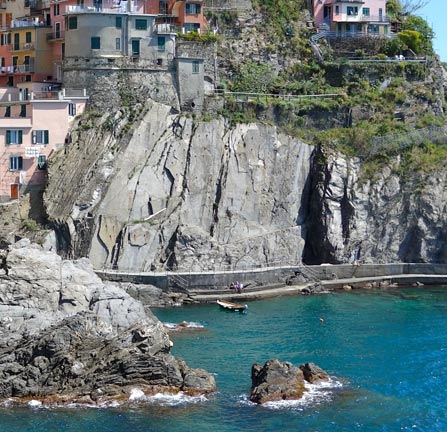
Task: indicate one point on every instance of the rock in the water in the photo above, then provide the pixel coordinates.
(66, 336)
(276, 380)
(313, 373)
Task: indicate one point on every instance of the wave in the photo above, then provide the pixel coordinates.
(165, 399)
(315, 394)
(182, 325)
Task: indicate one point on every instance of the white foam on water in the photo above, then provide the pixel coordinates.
(136, 394)
(170, 399)
(183, 325)
(315, 394)
(35, 403)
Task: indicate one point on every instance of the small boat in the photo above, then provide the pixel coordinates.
(231, 306)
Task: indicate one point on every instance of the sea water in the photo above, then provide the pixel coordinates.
(386, 352)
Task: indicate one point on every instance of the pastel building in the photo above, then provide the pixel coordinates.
(114, 31)
(33, 123)
(352, 17)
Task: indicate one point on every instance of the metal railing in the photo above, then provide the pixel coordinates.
(397, 142)
(248, 96)
(55, 36)
(346, 35)
(23, 47)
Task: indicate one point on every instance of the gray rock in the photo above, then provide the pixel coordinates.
(276, 380)
(64, 335)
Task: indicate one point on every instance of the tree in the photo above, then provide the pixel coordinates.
(404, 7)
(412, 39)
(420, 25)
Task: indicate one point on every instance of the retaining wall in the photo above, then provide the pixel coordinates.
(278, 275)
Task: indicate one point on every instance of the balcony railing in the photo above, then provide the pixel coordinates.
(360, 18)
(107, 7)
(55, 36)
(17, 69)
(2, 5)
(23, 47)
(167, 28)
(27, 23)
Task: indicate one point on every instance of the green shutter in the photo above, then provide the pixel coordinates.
(8, 137)
(46, 136)
(19, 137)
(20, 163)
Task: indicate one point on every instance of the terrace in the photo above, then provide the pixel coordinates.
(108, 6)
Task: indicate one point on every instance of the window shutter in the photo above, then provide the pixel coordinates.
(20, 162)
(46, 136)
(34, 137)
(8, 137)
(19, 137)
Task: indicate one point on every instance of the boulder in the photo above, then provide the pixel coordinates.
(66, 336)
(276, 380)
(313, 373)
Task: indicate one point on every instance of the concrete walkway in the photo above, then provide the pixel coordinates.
(269, 292)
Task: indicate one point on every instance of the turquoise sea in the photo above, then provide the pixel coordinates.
(386, 351)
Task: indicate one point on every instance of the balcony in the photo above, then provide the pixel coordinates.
(29, 46)
(360, 18)
(25, 68)
(2, 5)
(167, 28)
(55, 36)
(27, 23)
(106, 7)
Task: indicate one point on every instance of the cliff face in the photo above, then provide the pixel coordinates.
(179, 193)
(388, 218)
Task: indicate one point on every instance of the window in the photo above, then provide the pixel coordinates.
(6, 39)
(8, 111)
(22, 110)
(353, 10)
(71, 109)
(72, 23)
(57, 30)
(118, 43)
(365, 11)
(141, 24)
(192, 9)
(192, 27)
(16, 41)
(195, 67)
(118, 22)
(95, 42)
(337, 10)
(15, 163)
(2, 62)
(56, 10)
(28, 37)
(14, 136)
(41, 162)
(161, 43)
(163, 7)
(40, 137)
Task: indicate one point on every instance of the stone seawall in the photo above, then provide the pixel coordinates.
(401, 272)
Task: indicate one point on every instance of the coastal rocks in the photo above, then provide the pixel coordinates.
(66, 336)
(278, 380)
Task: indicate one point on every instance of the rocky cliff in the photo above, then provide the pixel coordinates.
(180, 193)
(66, 336)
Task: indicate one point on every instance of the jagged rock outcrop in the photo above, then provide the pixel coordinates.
(276, 380)
(181, 193)
(384, 218)
(66, 336)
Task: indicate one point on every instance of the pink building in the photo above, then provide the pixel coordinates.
(352, 17)
(33, 123)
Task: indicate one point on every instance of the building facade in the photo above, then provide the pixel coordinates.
(352, 17)
(33, 123)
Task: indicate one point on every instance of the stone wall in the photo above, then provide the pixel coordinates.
(429, 273)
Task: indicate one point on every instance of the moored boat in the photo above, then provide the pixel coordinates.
(231, 306)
